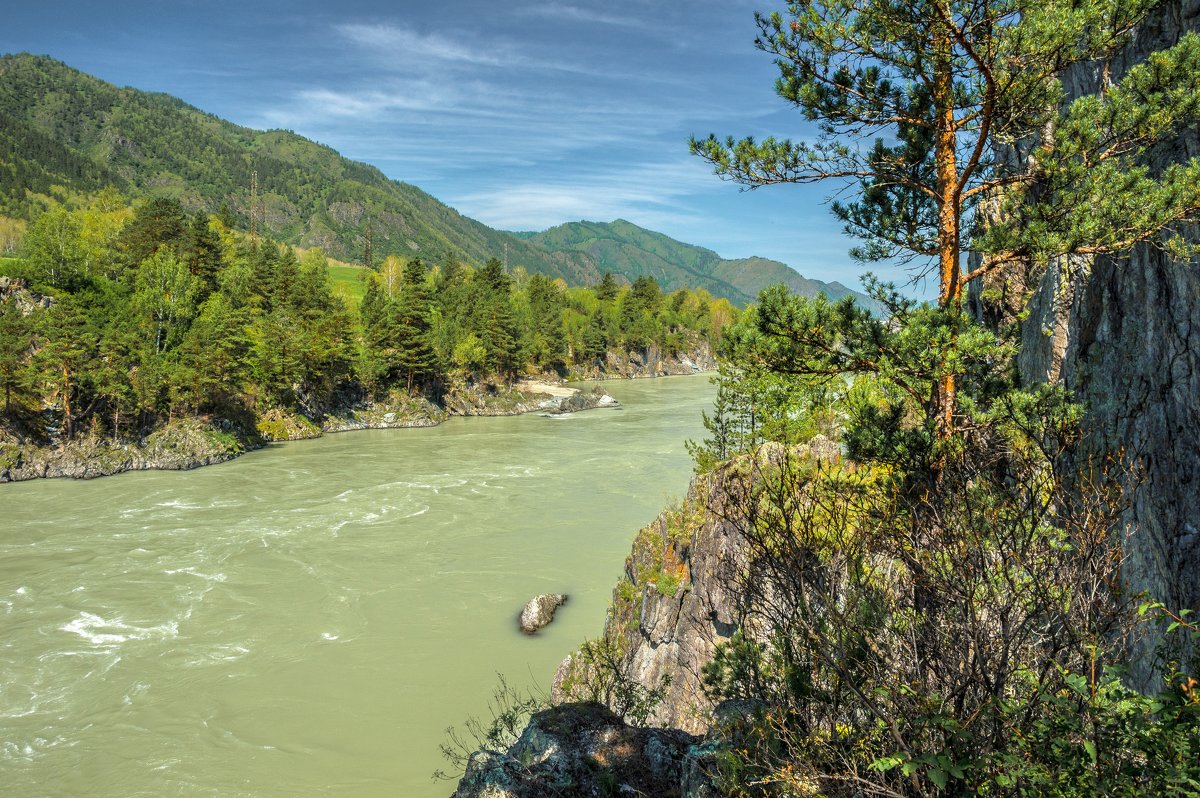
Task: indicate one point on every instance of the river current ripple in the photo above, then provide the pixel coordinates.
(309, 618)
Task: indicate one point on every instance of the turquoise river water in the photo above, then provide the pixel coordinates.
(308, 619)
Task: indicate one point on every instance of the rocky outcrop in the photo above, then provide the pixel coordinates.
(490, 399)
(16, 290)
(539, 611)
(178, 446)
(583, 750)
(397, 411)
(581, 400)
(650, 362)
(190, 443)
(681, 593)
(1123, 335)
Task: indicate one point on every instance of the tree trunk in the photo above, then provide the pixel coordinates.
(68, 422)
(942, 401)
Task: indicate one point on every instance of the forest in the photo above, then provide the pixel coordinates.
(133, 315)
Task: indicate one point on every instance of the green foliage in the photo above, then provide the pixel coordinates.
(154, 314)
(67, 133)
(509, 709)
(597, 674)
(16, 343)
(935, 90)
(54, 251)
(943, 611)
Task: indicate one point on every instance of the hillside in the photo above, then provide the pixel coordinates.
(65, 132)
(624, 248)
(63, 128)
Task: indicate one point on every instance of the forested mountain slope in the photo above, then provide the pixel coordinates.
(621, 247)
(63, 131)
(63, 128)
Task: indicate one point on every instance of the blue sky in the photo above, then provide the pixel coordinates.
(520, 114)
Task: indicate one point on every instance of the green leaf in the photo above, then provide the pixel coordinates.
(938, 777)
(1090, 747)
(886, 763)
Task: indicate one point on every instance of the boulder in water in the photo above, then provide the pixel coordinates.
(539, 611)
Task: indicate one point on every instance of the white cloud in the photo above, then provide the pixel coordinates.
(406, 45)
(650, 194)
(587, 15)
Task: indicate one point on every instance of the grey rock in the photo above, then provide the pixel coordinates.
(675, 634)
(539, 611)
(650, 362)
(584, 749)
(1123, 336)
(582, 401)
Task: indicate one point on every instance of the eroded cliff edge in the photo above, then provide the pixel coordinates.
(1122, 335)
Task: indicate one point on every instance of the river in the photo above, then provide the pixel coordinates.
(308, 619)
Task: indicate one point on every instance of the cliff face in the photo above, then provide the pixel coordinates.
(674, 605)
(682, 595)
(1123, 335)
(650, 362)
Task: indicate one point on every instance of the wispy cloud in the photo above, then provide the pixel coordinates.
(585, 15)
(647, 193)
(406, 44)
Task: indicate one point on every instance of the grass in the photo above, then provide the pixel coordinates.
(349, 282)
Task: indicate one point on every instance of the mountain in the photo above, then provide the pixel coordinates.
(622, 247)
(61, 127)
(63, 131)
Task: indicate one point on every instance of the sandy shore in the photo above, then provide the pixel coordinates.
(536, 386)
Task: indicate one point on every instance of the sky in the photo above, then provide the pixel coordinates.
(523, 115)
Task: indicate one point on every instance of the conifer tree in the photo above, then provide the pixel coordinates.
(156, 223)
(921, 103)
(606, 291)
(66, 345)
(16, 331)
(200, 250)
(415, 357)
(494, 322)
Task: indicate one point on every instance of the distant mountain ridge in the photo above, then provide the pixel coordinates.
(61, 129)
(622, 247)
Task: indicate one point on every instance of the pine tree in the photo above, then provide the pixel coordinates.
(156, 223)
(606, 291)
(378, 317)
(922, 103)
(67, 340)
(200, 250)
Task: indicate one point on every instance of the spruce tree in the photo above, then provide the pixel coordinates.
(606, 291)
(494, 323)
(16, 331)
(415, 356)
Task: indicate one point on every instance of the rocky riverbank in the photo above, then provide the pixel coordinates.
(190, 443)
(178, 446)
(678, 599)
(651, 362)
